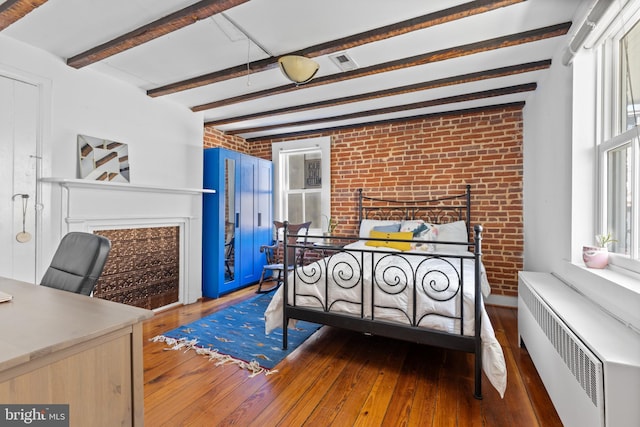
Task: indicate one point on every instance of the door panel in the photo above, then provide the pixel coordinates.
(18, 136)
(228, 192)
(248, 220)
(265, 206)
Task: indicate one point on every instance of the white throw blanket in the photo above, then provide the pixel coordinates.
(393, 296)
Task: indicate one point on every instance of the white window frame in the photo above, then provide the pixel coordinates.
(298, 146)
(604, 148)
(610, 136)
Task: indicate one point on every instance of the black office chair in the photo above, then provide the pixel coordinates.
(78, 262)
(275, 254)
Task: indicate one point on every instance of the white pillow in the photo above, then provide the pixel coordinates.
(367, 225)
(421, 231)
(452, 232)
(410, 225)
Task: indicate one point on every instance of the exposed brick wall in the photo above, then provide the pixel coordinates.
(261, 149)
(431, 157)
(215, 138)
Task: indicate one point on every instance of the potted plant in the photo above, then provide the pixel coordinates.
(598, 256)
(331, 225)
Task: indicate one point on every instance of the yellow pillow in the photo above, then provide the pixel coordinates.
(401, 235)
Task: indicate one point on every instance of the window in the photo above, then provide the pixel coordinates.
(619, 148)
(630, 78)
(620, 178)
(301, 185)
(303, 182)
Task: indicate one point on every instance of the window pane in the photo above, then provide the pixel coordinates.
(630, 77)
(303, 197)
(313, 170)
(295, 208)
(296, 171)
(619, 197)
(314, 210)
(303, 207)
(305, 171)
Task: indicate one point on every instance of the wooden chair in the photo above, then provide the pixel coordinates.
(229, 253)
(275, 254)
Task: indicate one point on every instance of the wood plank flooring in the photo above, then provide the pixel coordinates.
(339, 378)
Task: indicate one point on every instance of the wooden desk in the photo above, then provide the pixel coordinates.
(61, 347)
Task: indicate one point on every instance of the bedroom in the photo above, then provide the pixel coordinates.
(546, 191)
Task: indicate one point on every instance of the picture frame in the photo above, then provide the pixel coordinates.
(103, 159)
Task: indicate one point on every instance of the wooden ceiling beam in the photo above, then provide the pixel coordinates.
(418, 23)
(13, 10)
(440, 17)
(440, 55)
(527, 87)
(333, 129)
(447, 81)
(160, 27)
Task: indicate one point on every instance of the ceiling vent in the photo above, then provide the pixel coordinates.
(343, 61)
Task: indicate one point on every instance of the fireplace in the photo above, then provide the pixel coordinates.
(143, 268)
(155, 233)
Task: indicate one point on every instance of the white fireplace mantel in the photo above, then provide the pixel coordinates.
(121, 186)
(86, 205)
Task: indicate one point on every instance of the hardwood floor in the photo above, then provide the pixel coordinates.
(339, 378)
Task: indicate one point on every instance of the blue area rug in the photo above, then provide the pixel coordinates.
(236, 335)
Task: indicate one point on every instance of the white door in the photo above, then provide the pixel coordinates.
(18, 141)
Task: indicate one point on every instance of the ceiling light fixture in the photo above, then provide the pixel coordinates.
(297, 68)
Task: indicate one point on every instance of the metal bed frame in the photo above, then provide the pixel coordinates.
(436, 211)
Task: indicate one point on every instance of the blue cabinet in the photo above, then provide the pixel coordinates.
(237, 220)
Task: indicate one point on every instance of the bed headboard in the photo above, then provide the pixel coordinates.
(435, 211)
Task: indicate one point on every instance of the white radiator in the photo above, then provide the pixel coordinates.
(588, 361)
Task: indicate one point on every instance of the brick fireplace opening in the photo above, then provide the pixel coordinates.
(143, 268)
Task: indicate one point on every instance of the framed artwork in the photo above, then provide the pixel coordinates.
(103, 160)
(312, 173)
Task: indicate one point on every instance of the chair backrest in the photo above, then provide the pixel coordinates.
(295, 255)
(229, 248)
(78, 263)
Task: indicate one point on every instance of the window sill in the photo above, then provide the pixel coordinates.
(615, 290)
(617, 277)
(624, 265)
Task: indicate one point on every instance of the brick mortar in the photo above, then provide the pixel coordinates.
(431, 157)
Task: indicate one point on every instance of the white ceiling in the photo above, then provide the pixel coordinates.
(259, 29)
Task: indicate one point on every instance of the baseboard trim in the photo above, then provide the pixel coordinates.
(502, 300)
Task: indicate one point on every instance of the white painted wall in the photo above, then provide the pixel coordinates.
(547, 170)
(165, 143)
(560, 188)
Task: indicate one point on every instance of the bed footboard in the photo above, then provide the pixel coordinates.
(424, 297)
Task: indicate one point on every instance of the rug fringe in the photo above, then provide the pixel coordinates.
(253, 367)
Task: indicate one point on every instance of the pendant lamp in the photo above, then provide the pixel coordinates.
(297, 68)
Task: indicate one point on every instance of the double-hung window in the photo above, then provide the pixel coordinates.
(619, 137)
(303, 181)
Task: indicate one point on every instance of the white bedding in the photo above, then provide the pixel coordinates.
(393, 282)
